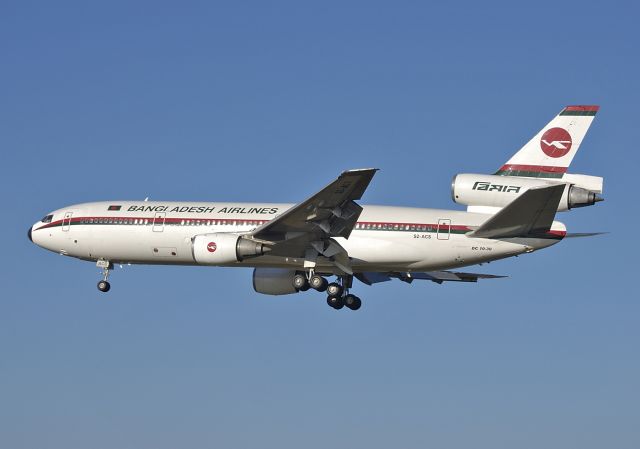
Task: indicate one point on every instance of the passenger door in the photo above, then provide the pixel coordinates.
(444, 228)
(66, 221)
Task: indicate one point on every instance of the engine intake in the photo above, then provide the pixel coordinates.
(224, 248)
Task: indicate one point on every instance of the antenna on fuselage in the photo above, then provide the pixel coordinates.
(146, 199)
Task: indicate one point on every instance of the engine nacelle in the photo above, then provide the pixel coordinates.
(224, 248)
(498, 191)
(273, 281)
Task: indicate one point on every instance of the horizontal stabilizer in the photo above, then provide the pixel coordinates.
(528, 215)
(370, 278)
(583, 234)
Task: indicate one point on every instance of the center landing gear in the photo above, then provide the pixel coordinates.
(106, 266)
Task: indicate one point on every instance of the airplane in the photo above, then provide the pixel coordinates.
(294, 248)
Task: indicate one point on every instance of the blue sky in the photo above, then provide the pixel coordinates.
(268, 101)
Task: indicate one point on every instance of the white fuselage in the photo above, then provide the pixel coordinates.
(385, 238)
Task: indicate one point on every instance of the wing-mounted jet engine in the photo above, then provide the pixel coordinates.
(222, 248)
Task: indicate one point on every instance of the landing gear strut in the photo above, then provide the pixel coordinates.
(106, 266)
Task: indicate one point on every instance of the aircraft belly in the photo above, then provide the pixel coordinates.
(141, 245)
(370, 249)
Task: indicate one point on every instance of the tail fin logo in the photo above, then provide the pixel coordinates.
(556, 142)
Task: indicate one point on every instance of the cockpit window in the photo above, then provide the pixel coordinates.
(47, 219)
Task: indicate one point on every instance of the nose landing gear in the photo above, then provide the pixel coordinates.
(106, 266)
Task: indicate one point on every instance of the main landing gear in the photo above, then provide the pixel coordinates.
(106, 266)
(338, 295)
(350, 301)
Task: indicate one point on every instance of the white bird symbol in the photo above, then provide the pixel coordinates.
(559, 144)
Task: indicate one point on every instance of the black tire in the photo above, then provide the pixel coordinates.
(352, 302)
(318, 283)
(335, 290)
(104, 286)
(335, 302)
(300, 282)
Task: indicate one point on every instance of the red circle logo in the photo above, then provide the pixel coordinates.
(556, 142)
(212, 247)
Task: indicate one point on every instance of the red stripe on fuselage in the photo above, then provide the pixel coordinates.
(429, 227)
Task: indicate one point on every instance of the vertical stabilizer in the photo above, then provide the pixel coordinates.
(550, 152)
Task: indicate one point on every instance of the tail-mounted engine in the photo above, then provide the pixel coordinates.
(224, 248)
(498, 191)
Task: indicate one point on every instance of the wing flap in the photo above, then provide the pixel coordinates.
(439, 277)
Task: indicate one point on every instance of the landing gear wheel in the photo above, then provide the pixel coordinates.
(318, 283)
(352, 302)
(336, 302)
(106, 266)
(300, 282)
(334, 290)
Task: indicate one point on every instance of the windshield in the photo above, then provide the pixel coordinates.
(47, 219)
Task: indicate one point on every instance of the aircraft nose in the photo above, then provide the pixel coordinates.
(29, 234)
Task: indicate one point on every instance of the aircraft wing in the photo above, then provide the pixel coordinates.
(332, 212)
(439, 277)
